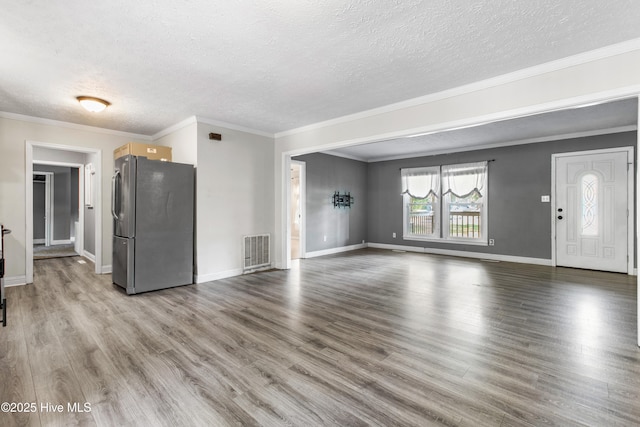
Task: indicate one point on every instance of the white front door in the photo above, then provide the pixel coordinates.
(591, 211)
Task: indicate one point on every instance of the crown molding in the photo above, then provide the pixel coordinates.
(576, 102)
(198, 119)
(346, 156)
(174, 128)
(573, 135)
(74, 126)
(547, 67)
(232, 126)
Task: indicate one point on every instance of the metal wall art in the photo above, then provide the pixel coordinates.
(342, 200)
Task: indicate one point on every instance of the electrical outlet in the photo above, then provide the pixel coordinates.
(394, 235)
(545, 199)
(325, 238)
(492, 242)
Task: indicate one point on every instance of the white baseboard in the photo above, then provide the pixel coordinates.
(335, 250)
(15, 281)
(61, 242)
(465, 254)
(397, 247)
(106, 269)
(88, 255)
(201, 278)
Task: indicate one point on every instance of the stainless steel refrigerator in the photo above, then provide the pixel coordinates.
(152, 207)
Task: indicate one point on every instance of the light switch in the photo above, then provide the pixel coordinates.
(545, 199)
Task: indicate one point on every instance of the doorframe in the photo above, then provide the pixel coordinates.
(303, 211)
(630, 200)
(29, 146)
(48, 205)
(80, 168)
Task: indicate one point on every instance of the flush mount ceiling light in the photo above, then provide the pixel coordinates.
(95, 105)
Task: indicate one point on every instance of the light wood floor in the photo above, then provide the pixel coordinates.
(370, 337)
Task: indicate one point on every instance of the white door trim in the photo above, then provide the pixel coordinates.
(29, 146)
(303, 211)
(638, 228)
(80, 168)
(630, 198)
(48, 205)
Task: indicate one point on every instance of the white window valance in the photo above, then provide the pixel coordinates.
(464, 180)
(421, 183)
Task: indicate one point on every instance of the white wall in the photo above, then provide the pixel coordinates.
(594, 76)
(183, 142)
(14, 132)
(47, 155)
(234, 191)
(89, 243)
(234, 198)
(234, 186)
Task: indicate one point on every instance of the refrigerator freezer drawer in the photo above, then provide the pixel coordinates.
(122, 270)
(163, 260)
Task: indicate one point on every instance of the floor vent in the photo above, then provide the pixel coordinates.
(256, 252)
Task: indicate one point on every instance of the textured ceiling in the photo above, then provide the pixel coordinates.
(274, 65)
(612, 115)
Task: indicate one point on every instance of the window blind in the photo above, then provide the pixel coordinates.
(421, 183)
(464, 180)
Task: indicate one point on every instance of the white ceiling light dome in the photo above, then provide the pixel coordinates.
(95, 105)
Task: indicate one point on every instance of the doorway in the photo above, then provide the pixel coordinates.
(296, 225)
(71, 157)
(56, 209)
(593, 210)
(42, 189)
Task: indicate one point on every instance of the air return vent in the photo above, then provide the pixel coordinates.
(256, 252)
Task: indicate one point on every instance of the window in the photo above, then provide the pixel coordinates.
(589, 201)
(421, 189)
(446, 203)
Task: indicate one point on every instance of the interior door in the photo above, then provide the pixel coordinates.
(591, 211)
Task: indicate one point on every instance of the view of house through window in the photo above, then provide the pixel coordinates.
(446, 202)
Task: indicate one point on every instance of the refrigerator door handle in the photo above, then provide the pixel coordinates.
(114, 179)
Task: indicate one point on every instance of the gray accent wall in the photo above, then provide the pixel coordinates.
(65, 200)
(519, 222)
(39, 197)
(326, 174)
(74, 200)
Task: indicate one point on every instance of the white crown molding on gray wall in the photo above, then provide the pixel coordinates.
(570, 61)
(75, 126)
(573, 135)
(348, 156)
